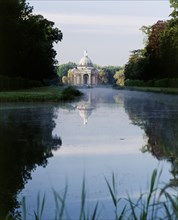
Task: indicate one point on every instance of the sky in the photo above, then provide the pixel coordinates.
(108, 30)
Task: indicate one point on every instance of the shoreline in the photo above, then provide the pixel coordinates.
(63, 94)
(163, 90)
(41, 94)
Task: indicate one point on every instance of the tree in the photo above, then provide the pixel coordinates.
(136, 68)
(169, 49)
(146, 64)
(153, 45)
(119, 77)
(109, 72)
(70, 76)
(26, 42)
(64, 80)
(102, 77)
(159, 58)
(147, 31)
(63, 69)
(174, 5)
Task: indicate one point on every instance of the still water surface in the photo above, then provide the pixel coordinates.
(46, 146)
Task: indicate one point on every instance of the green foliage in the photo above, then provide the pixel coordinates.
(137, 65)
(109, 73)
(70, 93)
(106, 73)
(26, 42)
(134, 83)
(165, 83)
(63, 69)
(65, 80)
(174, 5)
(102, 77)
(169, 49)
(119, 77)
(9, 83)
(159, 58)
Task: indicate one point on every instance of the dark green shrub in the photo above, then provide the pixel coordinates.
(17, 83)
(162, 83)
(70, 92)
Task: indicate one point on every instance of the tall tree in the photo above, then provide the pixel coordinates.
(174, 5)
(63, 69)
(26, 42)
(169, 49)
(136, 68)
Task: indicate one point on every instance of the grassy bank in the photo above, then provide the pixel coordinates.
(173, 91)
(41, 94)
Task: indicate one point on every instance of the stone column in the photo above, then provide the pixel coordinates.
(75, 79)
(89, 79)
(82, 80)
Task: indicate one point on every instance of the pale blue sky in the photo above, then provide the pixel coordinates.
(109, 30)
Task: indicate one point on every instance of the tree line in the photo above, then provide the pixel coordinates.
(106, 75)
(26, 42)
(158, 60)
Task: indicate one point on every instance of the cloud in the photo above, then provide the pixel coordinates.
(102, 20)
(100, 24)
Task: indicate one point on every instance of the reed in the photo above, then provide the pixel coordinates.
(148, 206)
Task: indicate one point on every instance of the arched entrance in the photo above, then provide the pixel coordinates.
(85, 79)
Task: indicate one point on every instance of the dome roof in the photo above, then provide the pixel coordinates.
(85, 60)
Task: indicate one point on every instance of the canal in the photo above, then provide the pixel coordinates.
(46, 147)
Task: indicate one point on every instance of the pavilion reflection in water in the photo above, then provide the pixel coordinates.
(85, 111)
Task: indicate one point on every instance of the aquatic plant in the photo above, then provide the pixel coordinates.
(157, 203)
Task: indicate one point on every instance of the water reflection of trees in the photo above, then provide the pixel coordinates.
(158, 116)
(26, 142)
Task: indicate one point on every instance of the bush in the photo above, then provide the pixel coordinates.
(134, 83)
(162, 83)
(70, 92)
(9, 83)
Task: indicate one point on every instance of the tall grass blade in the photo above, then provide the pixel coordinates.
(168, 214)
(122, 215)
(36, 216)
(132, 206)
(24, 208)
(63, 202)
(114, 199)
(40, 207)
(83, 198)
(152, 185)
(113, 183)
(173, 202)
(94, 215)
(60, 208)
(56, 203)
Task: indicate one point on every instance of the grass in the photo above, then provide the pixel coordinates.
(173, 91)
(41, 94)
(148, 206)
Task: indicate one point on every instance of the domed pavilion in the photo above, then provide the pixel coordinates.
(85, 73)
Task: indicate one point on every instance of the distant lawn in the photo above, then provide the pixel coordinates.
(173, 91)
(41, 94)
